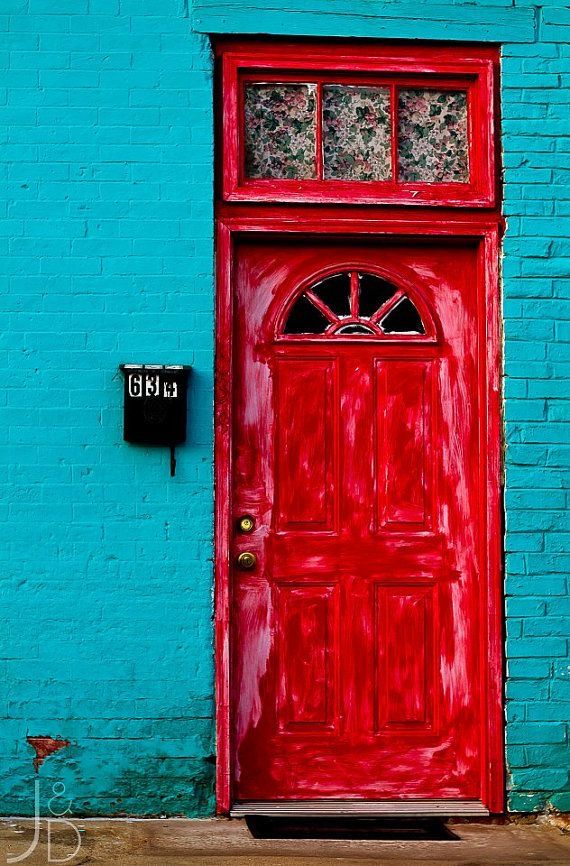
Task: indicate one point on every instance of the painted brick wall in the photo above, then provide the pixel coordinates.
(107, 245)
(535, 105)
(107, 238)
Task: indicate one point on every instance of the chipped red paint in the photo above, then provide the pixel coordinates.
(362, 657)
(45, 746)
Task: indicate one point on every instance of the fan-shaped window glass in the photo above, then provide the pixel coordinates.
(306, 318)
(354, 304)
(402, 319)
(373, 293)
(335, 293)
(355, 329)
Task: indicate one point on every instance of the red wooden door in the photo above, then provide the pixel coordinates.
(354, 646)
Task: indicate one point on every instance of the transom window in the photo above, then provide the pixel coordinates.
(354, 127)
(354, 304)
(359, 124)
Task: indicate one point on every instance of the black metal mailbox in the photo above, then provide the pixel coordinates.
(155, 405)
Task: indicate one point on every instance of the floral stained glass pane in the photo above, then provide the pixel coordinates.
(280, 121)
(356, 132)
(432, 136)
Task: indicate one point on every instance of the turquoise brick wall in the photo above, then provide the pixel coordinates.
(107, 245)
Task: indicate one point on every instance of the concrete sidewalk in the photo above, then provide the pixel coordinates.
(218, 842)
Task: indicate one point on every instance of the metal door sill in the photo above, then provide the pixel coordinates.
(362, 808)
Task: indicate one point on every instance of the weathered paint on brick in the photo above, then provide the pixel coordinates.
(108, 245)
(107, 253)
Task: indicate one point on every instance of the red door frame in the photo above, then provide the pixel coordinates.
(234, 220)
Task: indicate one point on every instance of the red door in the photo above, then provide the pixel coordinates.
(355, 668)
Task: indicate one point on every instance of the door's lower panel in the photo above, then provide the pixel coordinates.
(365, 808)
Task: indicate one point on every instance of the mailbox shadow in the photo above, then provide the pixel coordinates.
(387, 829)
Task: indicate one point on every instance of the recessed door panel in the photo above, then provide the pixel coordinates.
(305, 444)
(404, 466)
(306, 623)
(405, 635)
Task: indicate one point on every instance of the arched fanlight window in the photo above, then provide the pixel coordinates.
(353, 303)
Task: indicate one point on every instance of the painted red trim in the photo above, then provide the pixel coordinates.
(285, 220)
(222, 454)
(455, 66)
(263, 217)
(491, 431)
(318, 130)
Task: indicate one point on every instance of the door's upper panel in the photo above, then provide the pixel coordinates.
(357, 124)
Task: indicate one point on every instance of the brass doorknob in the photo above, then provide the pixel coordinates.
(247, 560)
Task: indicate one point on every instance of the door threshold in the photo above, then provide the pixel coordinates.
(362, 808)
